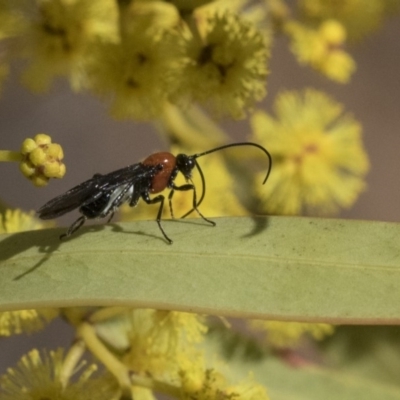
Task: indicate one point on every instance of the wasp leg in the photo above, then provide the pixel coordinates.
(190, 186)
(74, 227)
(158, 199)
(111, 217)
(171, 210)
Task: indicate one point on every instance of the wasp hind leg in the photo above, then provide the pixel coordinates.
(74, 227)
(110, 217)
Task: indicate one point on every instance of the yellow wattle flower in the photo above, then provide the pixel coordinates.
(16, 220)
(58, 37)
(359, 17)
(160, 341)
(225, 65)
(319, 163)
(38, 376)
(322, 48)
(137, 73)
(25, 321)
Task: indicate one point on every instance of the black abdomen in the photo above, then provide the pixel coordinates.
(95, 208)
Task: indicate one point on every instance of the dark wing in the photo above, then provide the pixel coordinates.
(93, 188)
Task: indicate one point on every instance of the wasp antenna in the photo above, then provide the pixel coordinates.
(203, 193)
(234, 145)
(203, 182)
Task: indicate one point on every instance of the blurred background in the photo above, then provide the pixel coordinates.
(93, 142)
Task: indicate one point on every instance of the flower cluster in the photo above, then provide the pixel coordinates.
(322, 48)
(41, 159)
(358, 17)
(24, 321)
(210, 384)
(38, 376)
(319, 30)
(58, 36)
(142, 54)
(19, 221)
(225, 65)
(165, 352)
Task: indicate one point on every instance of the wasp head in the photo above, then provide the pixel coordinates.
(185, 164)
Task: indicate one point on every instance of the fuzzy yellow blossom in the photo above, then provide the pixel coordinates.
(152, 17)
(160, 341)
(12, 221)
(358, 16)
(322, 48)
(248, 390)
(138, 72)
(288, 334)
(172, 328)
(38, 376)
(191, 376)
(220, 198)
(319, 163)
(41, 159)
(215, 386)
(58, 38)
(25, 321)
(225, 67)
(212, 385)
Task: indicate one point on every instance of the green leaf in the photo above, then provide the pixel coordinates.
(268, 267)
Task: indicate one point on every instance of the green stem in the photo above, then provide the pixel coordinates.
(72, 358)
(88, 334)
(9, 155)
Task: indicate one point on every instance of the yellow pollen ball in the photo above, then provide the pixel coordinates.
(28, 145)
(61, 171)
(38, 156)
(333, 32)
(51, 170)
(40, 180)
(55, 151)
(42, 139)
(27, 168)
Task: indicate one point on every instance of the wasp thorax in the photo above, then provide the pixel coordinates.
(162, 178)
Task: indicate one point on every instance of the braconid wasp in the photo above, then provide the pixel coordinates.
(102, 195)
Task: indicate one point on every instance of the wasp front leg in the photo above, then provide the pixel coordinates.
(190, 186)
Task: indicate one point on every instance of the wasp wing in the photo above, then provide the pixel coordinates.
(93, 188)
